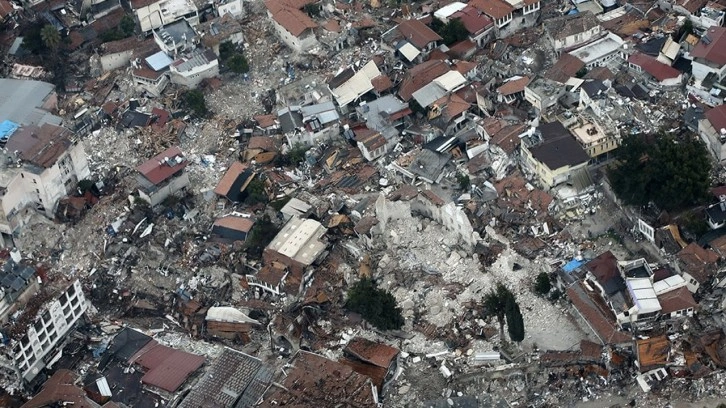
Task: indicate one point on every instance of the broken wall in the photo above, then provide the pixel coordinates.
(448, 215)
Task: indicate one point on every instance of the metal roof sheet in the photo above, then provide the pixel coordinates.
(408, 50)
(159, 61)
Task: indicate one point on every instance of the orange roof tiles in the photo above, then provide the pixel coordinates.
(493, 8)
(371, 352)
(41, 146)
(289, 16)
(226, 182)
(513, 86)
(653, 352)
(675, 300)
(652, 66)
(235, 223)
(419, 76)
(417, 33)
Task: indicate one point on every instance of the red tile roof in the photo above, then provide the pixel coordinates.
(600, 320)
(315, 381)
(464, 67)
(419, 76)
(289, 15)
(5, 9)
(371, 352)
(653, 352)
(691, 5)
(565, 68)
(717, 117)
(381, 83)
(61, 389)
(474, 21)
(604, 267)
(675, 300)
(226, 182)
(652, 66)
(493, 8)
(235, 223)
(513, 86)
(418, 33)
(715, 50)
(159, 169)
(166, 367)
(41, 146)
(698, 261)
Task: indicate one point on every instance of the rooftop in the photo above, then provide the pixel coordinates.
(40, 146)
(717, 117)
(421, 75)
(234, 181)
(560, 28)
(653, 352)
(27, 102)
(299, 240)
(317, 381)
(675, 300)
(473, 20)
(493, 8)
(593, 51)
(597, 315)
(652, 66)
(287, 13)
(166, 368)
(164, 165)
(513, 85)
(558, 147)
(565, 68)
(197, 59)
(233, 379)
(417, 33)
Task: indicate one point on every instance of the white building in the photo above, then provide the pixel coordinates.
(600, 52)
(155, 14)
(292, 25)
(33, 352)
(162, 176)
(310, 124)
(191, 70)
(572, 30)
(712, 130)
(41, 165)
(708, 56)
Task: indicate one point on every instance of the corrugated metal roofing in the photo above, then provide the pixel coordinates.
(159, 61)
(21, 101)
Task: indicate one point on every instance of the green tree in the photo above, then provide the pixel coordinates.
(237, 63)
(376, 305)
(581, 72)
(194, 100)
(127, 25)
(495, 304)
(464, 181)
(451, 32)
(50, 36)
(515, 322)
(262, 233)
(226, 50)
(32, 40)
(672, 173)
(256, 192)
(293, 157)
(542, 283)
